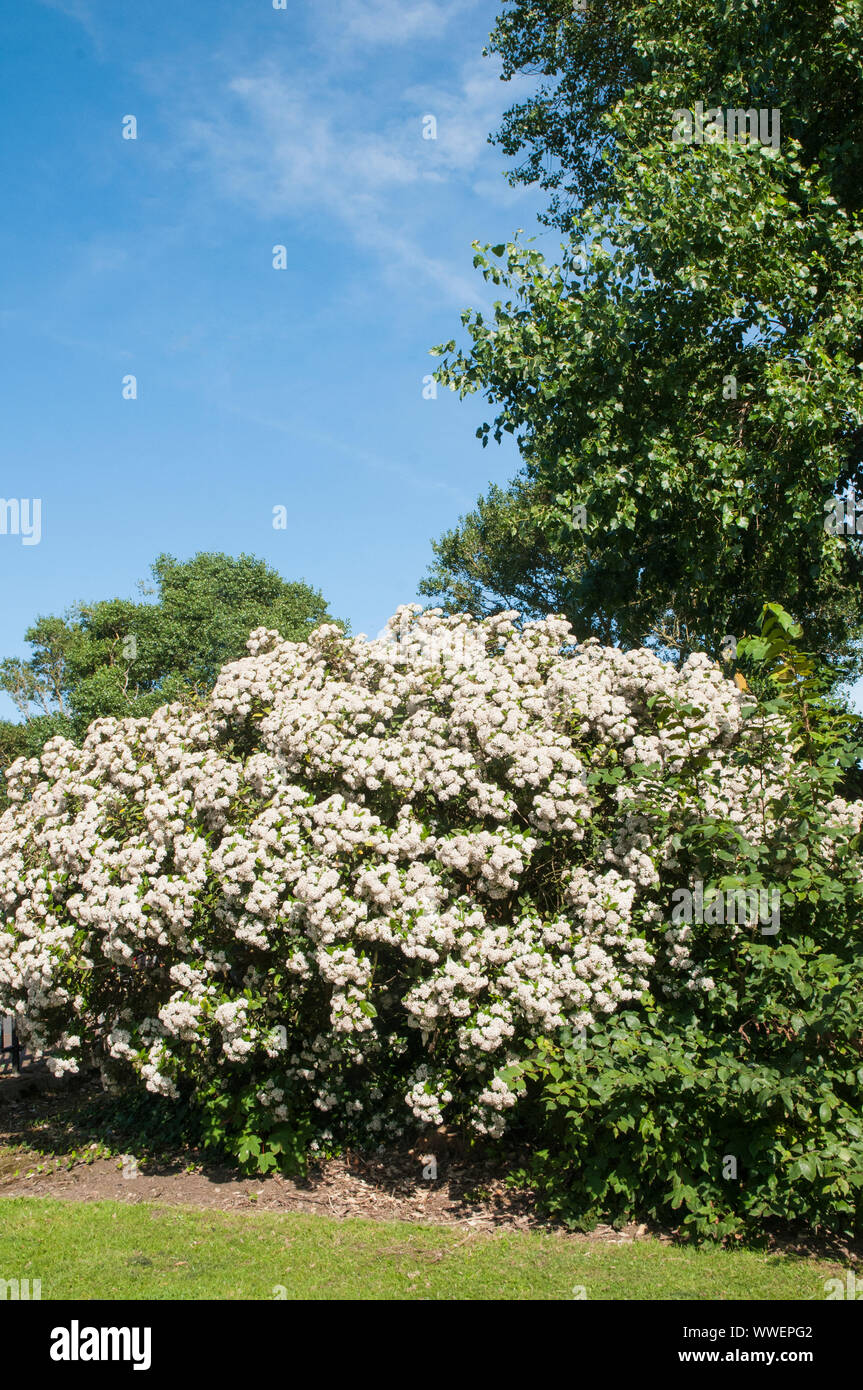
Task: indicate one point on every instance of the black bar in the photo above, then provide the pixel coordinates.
(818, 1338)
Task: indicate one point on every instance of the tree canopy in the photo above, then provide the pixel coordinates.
(685, 385)
(123, 657)
(805, 59)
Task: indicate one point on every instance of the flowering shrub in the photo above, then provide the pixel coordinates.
(740, 1110)
(347, 893)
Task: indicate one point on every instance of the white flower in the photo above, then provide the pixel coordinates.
(418, 857)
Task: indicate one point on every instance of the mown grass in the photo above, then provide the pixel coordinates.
(116, 1251)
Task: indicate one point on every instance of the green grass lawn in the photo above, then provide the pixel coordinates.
(117, 1251)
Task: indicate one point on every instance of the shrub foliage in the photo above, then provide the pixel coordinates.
(444, 876)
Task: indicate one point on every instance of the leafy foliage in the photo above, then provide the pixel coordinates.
(690, 373)
(742, 53)
(745, 1112)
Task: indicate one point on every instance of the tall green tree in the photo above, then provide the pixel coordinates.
(123, 657)
(685, 386)
(805, 58)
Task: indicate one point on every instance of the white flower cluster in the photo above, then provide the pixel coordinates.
(427, 1097)
(367, 872)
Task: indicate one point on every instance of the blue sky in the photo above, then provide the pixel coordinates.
(154, 257)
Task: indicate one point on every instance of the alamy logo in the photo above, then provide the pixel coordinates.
(736, 125)
(851, 1289)
(76, 1343)
(21, 518)
(742, 906)
(728, 648)
(842, 516)
(417, 647)
(20, 1289)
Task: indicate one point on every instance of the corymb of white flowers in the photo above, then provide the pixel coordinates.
(368, 872)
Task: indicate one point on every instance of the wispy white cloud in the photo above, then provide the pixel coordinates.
(292, 146)
(397, 21)
(465, 114)
(288, 144)
(81, 11)
(74, 9)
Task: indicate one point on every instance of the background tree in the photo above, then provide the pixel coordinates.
(689, 375)
(125, 658)
(806, 58)
(500, 557)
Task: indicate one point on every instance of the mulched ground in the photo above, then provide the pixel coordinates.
(38, 1124)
